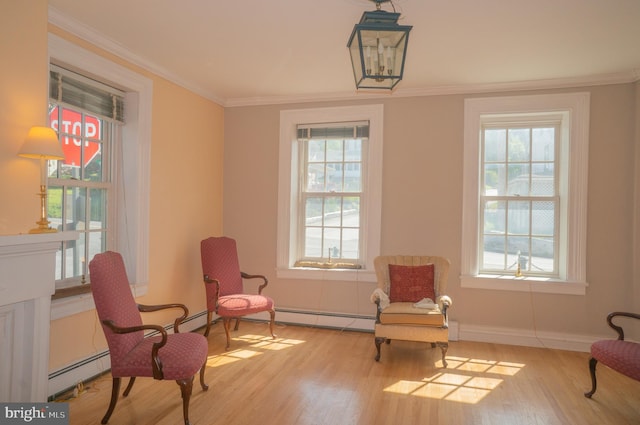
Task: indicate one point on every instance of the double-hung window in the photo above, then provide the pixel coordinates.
(519, 202)
(88, 116)
(329, 192)
(524, 198)
(101, 189)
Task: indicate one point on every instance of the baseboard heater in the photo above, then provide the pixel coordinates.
(64, 380)
(321, 319)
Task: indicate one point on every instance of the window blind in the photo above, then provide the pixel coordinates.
(76, 90)
(355, 130)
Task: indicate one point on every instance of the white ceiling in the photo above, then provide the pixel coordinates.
(255, 52)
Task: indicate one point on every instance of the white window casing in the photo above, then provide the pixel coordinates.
(573, 108)
(131, 179)
(288, 223)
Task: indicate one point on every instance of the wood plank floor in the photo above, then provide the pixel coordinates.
(311, 376)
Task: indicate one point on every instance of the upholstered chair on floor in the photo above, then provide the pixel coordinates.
(176, 356)
(411, 301)
(620, 355)
(224, 286)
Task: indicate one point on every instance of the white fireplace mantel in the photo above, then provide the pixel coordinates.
(27, 281)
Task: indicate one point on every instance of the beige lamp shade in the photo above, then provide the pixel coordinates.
(41, 143)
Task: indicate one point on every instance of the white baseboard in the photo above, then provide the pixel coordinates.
(526, 337)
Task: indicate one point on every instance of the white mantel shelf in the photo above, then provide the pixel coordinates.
(27, 281)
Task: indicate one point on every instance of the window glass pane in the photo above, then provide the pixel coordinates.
(334, 177)
(350, 243)
(315, 177)
(313, 242)
(353, 177)
(334, 150)
(353, 150)
(331, 242)
(518, 144)
(543, 218)
(494, 217)
(351, 211)
(517, 247)
(494, 179)
(543, 144)
(493, 253)
(542, 179)
(313, 212)
(316, 150)
(518, 183)
(93, 161)
(54, 205)
(333, 212)
(542, 255)
(98, 202)
(518, 217)
(97, 243)
(495, 145)
(75, 208)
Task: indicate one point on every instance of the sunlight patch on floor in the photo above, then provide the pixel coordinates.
(253, 345)
(465, 380)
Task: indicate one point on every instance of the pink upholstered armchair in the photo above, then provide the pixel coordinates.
(176, 356)
(620, 355)
(223, 282)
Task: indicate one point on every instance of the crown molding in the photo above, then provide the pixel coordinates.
(90, 35)
(85, 32)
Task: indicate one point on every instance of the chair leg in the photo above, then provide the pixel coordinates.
(272, 313)
(226, 322)
(206, 331)
(592, 370)
(235, 328)
(129, 386)
(115, 389)
(444, 346)
(186, 386)
(204, 386)
(379, 341)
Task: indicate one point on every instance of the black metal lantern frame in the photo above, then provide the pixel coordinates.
(378, 48)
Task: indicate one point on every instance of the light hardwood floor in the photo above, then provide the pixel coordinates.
(311, 376)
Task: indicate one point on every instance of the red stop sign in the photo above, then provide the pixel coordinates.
(70, 126)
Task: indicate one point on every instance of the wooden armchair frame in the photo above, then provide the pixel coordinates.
(186, 385)
(620, 355)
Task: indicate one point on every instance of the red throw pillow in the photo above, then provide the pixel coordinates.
(411, 283)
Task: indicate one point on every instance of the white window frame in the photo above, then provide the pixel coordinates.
(131, 180)
(573, 173)
(288, 180)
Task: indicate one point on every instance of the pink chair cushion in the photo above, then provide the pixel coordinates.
(241, 304)
(181, 357)
(621, 356)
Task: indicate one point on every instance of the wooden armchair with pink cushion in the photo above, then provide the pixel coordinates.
(618, 354)
(224, 286)
(411, 301)
(176, 356)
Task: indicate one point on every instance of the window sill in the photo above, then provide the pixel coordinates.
(70, 305)
(359, 275)
(523, 284)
